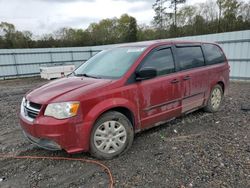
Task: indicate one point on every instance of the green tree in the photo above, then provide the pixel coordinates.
(127, 28)
(161, 18)
(104, 32)
(174, 4)
(146, 32)
(160, 14)
(186, 15)
(8, 31)
(228, 11)
(231, 8)
(14, 39)
(208, 10)
(2, 42)
(22, 39)
(186, 18)
(199, 25)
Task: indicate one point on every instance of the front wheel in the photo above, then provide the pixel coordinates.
(111, 136)
(215, 99)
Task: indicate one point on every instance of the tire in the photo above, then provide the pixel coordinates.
(111, 136)
(215, 99)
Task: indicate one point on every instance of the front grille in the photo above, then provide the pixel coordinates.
(31, 113)
(31, 109)
(35, 105)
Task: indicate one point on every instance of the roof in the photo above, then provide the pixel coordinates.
(158, 43)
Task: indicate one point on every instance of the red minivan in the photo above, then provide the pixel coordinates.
(122, 91)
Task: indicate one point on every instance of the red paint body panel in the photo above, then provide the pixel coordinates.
(150, 101)
(159, 100)
(194, 90)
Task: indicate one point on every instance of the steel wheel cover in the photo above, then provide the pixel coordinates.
(110, 137)
(216, 98)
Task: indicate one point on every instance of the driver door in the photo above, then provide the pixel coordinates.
(159, 97)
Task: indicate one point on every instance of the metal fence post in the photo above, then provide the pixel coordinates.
(15, 63)
(91, 53)
(51, 57)
(72, 56)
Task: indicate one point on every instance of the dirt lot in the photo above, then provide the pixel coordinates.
(198, 150)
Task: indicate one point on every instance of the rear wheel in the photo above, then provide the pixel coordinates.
(111, 136)
(215, 99)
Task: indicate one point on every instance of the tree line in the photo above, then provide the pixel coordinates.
(173, 18)
(204, 18)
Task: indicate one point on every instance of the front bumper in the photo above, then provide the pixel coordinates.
(49, 133)
(43, 143)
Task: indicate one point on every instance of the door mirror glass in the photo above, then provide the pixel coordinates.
(146, 73)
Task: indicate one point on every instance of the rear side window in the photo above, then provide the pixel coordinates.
(162, 60)
(213, 54)
(190, 57)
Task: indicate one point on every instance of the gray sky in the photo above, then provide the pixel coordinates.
(46, 16)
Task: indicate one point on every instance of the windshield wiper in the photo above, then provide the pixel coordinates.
(87, 75)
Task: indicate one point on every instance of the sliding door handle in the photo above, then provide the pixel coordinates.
(187, 78)
(175, 81)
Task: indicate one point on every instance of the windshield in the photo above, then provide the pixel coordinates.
(112, 63)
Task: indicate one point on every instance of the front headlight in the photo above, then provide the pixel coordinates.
(62, 110)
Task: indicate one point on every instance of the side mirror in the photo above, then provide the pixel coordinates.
(146, 73)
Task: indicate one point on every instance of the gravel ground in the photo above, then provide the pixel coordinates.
(198, 150)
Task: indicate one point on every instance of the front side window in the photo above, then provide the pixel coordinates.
(190, 57)
(213, 54)
(162, 60)
(112, 63)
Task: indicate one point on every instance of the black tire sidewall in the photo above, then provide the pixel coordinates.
(112, 115)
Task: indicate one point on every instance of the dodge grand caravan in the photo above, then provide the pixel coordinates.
(121, 91)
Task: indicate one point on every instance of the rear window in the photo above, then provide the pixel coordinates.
(213, 54)
(190, 57)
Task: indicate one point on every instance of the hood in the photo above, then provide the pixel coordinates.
(57, 88)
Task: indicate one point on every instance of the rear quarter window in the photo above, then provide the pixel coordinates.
(213, 54)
